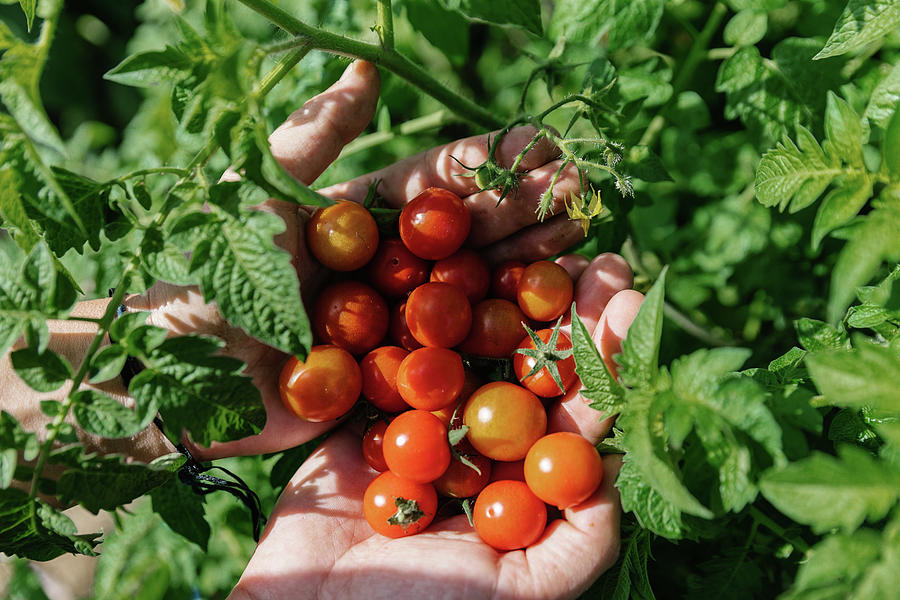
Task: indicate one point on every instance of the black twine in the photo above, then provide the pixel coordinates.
(192, 471)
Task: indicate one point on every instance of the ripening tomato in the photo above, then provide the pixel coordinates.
(502, 469)
(545, 291)
(323, 387)
(466, 270)
(430, 378)
(373, 446)
(508, 516)
(438, 314)
(563, 469)
(496, 329)
(504, 420)
(343, 236)
(399, 330)
(395, 271)
(505, 280)
(379, 378)
(396, 507)
(461, 480)
(541, 383)
(352, 315)
(416, 446)
(434, 224)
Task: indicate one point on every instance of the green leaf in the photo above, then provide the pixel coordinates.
(844, 130)
(645, 450)
(199, 391)
(746, 28)
(163, 260)
(28, 7)
(873, 241)
(834, 565)
(890, 147)
(863, 376)
(128, 323)
(884, 99)
(29, 528)
(42, 371)
(31, 294)
(862, 22)
(107, 363)
(653, 511)
(13, 441)
(519, 13)
(815, 335)
(12, 212)
(600, 387)
(640, 348)
(182, 510)
(252, 281)
(445, 29)
(104, 482)
(825, 492)
(840, 206)
(795, 175)
(146, 69)
(617, 24)
(101, 415)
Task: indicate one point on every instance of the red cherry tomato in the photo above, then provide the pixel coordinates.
(416, 447)
(438, 314)
(430, 378)
(541, 383)
(434, 224)
(496, 329)
(352, 315)
(323, 387)
(466, 270)
(504, 420)
(396, 507)
(545, 291)
(509, 516)
(379, 378)
(501, 469)
(505, 280)
(343, 236)
(399, 330)
(373, 446)
(395, 271)
(462, 481)
(563, 469)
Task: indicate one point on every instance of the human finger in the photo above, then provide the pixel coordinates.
(442, 167)
(574, 412)
(574, 264)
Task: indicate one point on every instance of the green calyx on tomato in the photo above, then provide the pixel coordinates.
(408, 512)
(547, 350)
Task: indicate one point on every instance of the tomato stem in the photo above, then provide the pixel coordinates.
(385, 24)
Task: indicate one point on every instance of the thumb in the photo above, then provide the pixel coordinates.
(313, 136)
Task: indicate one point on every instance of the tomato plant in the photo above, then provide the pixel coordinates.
(430, 378)
(542, 383)
(343, 236)
(396, 507)
(563, 469)
(438, 314)
(434, 224)
(323, 387)
(416, 447)
(544, 291)
(508, 516)
(504, 420)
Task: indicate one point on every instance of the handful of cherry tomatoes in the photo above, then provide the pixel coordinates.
(396, 332)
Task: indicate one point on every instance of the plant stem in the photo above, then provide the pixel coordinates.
(385, 27)
(432, 121)
(763, 519)
(104, 324)
(388, 58)
(152, 171)
(695, 56)
(285, 64)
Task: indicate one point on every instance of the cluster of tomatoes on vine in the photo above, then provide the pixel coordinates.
(395, 331)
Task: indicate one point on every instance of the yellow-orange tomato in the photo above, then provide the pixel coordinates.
(323, 387)
(563, 469)
(343, 236)
(504, 420)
